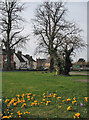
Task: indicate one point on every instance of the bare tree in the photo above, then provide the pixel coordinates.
(10, 26)
(72, 41)
(56, 36)
(48, 24)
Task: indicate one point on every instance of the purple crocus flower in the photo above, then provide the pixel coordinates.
(76, 104)
(81, 104)
(50, 94)
(47, 93)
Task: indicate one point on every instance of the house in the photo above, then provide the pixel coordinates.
(40, 63)
(24, 61)
(47, 63)
(43, 63)
(31, 61)
(34, 64)
(27, 61)
(79, 65)
(19, 60)
(4, 59)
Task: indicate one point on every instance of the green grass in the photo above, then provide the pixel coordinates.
(37, 83)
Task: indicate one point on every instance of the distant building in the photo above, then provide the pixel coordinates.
(20, 62)
(4, 59)
(79, 65)
(31, 61)
(40, 63)
(47, 63)
(24, 61)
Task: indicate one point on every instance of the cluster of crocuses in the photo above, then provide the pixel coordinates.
(45, 99)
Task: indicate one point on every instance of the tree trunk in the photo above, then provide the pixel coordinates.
(67, 65)
(67, 61)
(66, 70)
(9, 60)
(59, 66)
(51, 68)
(58, 63)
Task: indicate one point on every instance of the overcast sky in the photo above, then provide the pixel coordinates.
(77, 13)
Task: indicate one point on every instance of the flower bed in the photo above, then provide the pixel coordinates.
(16, 107)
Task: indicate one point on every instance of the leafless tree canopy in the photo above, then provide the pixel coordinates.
(49, 21)
(56, 35)
(52, 28)
(10, 23)
(11, 26)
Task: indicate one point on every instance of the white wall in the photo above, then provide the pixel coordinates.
(26, 61)
(34, 65)
(18, 64)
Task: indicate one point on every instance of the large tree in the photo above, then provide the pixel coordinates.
(10, 26)
(48, 23)
(71, 41)
(57, 37)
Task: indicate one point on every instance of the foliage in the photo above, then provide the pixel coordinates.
(81, 60)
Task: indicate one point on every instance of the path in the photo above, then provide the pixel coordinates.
(80, 73)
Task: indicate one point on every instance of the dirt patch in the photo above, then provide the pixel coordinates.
(83, 80)
(77, 73)
(39, 73)
(30, 87)
(12, 83)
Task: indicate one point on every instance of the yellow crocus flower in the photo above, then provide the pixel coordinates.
(69, 108)
(86, 99)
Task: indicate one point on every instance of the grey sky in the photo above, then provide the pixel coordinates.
(77, 12)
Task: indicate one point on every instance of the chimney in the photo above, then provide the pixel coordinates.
(27, 55)
(19, 53)
(31, 57)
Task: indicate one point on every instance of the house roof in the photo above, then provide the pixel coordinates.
(20, 57)
(29, 57)
(48, 60)
(41, 60)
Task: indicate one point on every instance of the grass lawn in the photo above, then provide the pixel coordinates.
(37, 83)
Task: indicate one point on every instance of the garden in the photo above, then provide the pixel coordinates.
(43, 95)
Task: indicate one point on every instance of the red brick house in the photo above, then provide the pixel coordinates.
(40, 63)
(4, 60)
